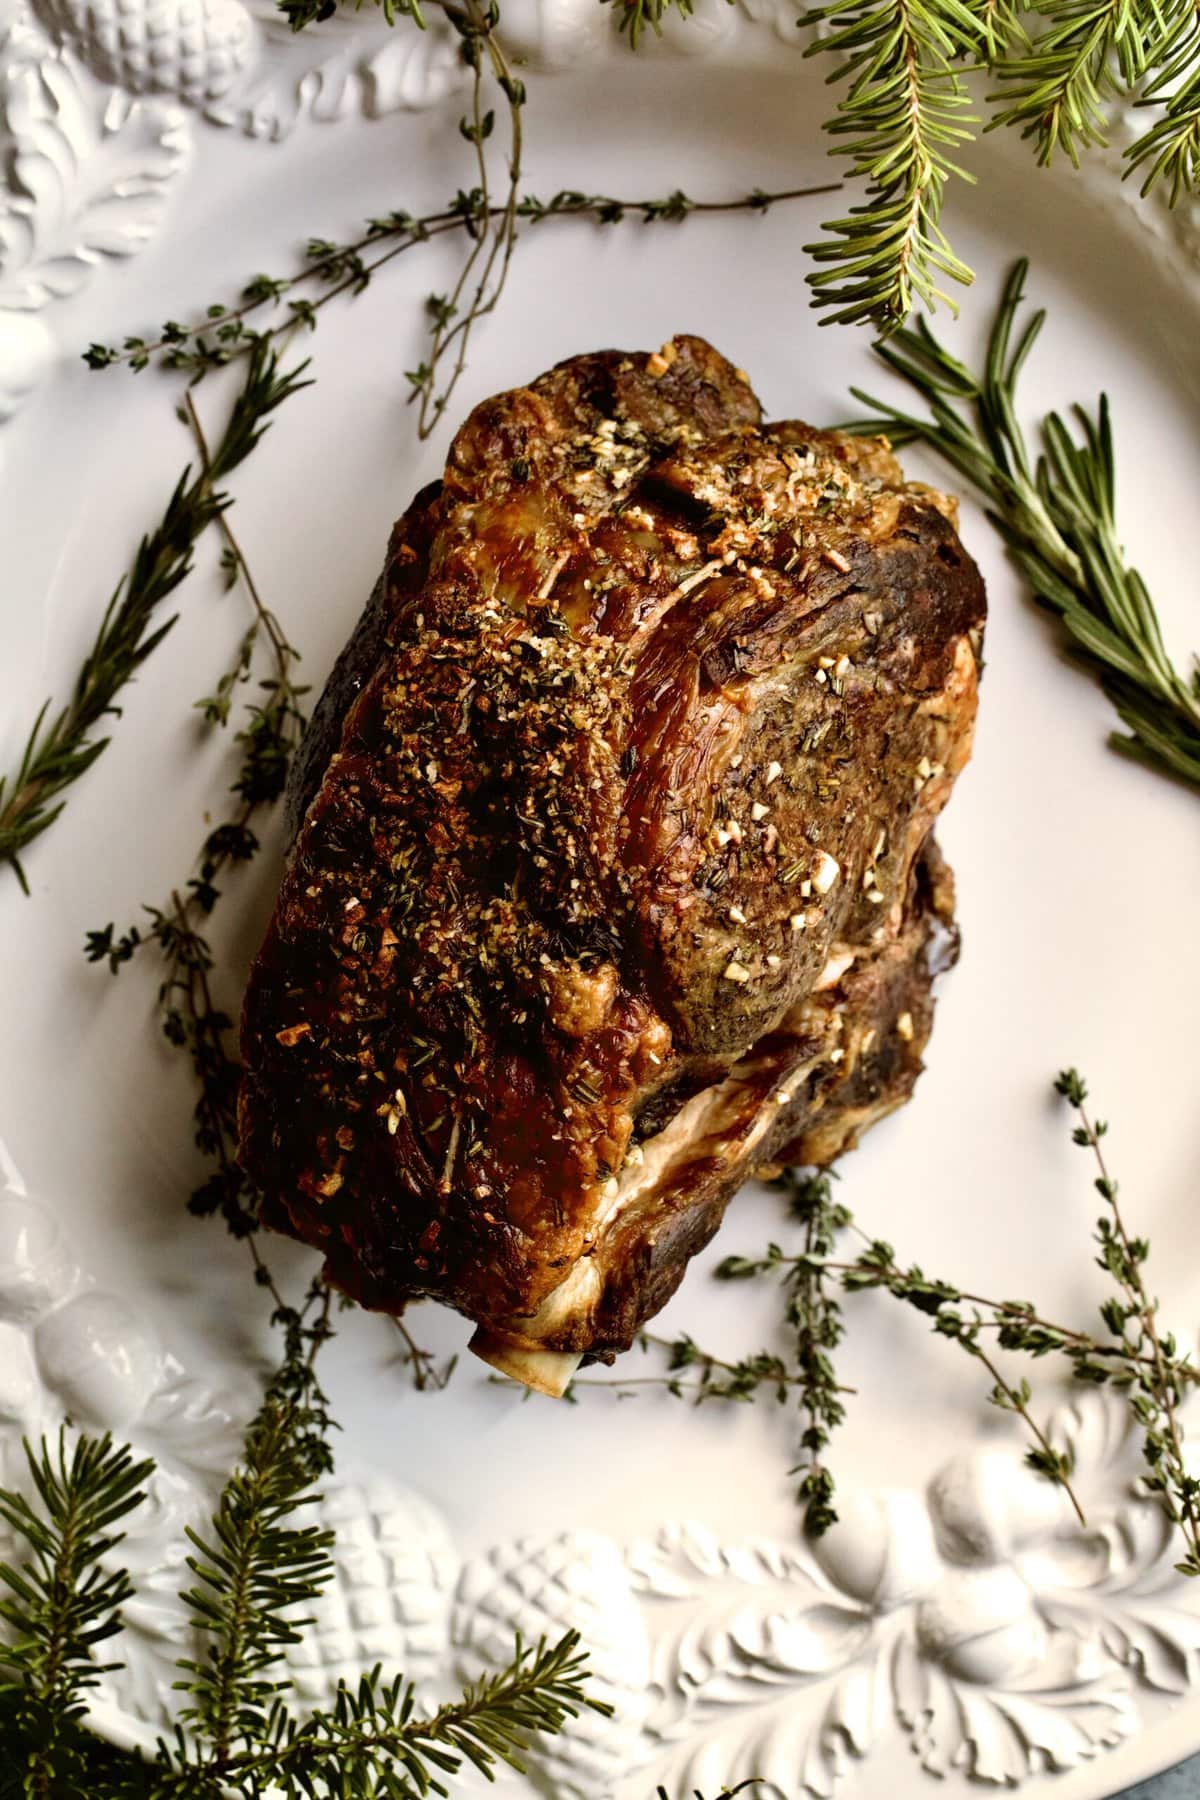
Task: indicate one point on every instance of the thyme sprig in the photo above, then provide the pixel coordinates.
(491, 228)
(425, 1371)
(222, 333)
(963, 1322)
(63, 745)
(806, 1375)
(815, 1318)
(1134, 1356)
(814, 1322)
(698, 1375)
(482, 277)
(1056, 511)
(1158, 1375)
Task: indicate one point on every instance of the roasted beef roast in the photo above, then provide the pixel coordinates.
(613, 876)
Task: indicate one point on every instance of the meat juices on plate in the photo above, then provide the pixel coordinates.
(613, 876)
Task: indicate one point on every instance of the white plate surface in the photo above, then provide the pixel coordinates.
(958, 1626)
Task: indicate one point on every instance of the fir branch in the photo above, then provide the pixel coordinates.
(1075, 59)
(372, 1739)
(239, 1730)
(255, 1566)
(636, 15)
(62, 1604)
(1169, 150)
(1057, 516)
(902, 121)
(62, 746)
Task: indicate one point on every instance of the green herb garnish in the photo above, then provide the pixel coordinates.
(1056, 511)
(63, 745)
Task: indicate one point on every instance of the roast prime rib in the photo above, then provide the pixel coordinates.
(613, 876)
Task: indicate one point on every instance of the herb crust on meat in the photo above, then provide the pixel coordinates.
(613, 875)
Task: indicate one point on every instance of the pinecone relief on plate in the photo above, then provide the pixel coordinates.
(193, 49)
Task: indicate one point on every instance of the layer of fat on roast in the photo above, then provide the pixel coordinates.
(696, 1125)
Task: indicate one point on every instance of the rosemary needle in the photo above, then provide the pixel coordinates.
(1056, 511)
(61, 746)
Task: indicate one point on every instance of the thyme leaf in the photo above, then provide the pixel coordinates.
(222, 333)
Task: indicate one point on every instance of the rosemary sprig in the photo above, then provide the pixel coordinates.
(191, 1017)
(62, 746)
(1056, 513)
(903, 118)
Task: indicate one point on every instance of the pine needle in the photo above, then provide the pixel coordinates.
(59, 1603)
(1169, 151)
(902, 122)
(1074, 58)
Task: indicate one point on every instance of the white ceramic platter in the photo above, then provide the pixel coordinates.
(957, 1625)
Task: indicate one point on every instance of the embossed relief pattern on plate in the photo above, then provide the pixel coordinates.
(977, 1617)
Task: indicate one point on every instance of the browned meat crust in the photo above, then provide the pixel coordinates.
(613, 876)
